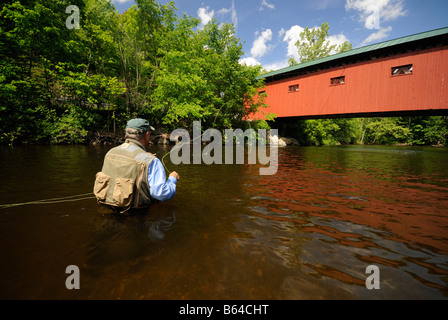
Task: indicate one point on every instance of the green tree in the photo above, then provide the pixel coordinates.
(48, 69)
(200, 77)
(313, 44)
(324, 131)
(32, 41)
(59, 85)
(432, 130)
(139, 33)
(387, 130)
(88, 86)
(436, 130)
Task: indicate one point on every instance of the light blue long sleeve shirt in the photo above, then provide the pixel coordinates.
(160, 188)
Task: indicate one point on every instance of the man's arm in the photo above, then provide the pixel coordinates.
(161, 188)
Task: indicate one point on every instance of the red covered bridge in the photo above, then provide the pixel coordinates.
(405, 76)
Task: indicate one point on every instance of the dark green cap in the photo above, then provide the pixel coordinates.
(140, 125)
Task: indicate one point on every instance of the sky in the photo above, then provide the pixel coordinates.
(269, 29)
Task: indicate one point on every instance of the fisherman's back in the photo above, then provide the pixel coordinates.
(122, 182)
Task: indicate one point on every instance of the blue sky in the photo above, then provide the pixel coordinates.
(268, 29)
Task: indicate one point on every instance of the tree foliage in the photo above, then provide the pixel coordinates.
(314, 44)
(418, 130)
(200, 76)
(59, 85)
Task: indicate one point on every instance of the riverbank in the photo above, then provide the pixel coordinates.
(411, 131)
(161, 137)
(165, 139)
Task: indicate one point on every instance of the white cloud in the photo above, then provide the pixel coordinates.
(376, 36)
(290, 37)
(323, 4)
(223, 11)
(265, 4)
(122, 1)
(233, 13)
(372, 12)
(205, 15)
(293, 34)
(281, 32)
(337, 40)
(250, 61)
(276, 65)
(394, 10)
(259, 47)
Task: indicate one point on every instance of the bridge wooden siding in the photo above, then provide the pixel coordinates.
(364, 88)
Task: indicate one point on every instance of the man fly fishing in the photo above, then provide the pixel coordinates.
(132, 178)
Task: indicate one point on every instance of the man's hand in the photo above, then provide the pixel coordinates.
(175, 175)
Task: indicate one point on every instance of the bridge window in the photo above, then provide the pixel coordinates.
(294, 88)
(407, 69)
(338, 80)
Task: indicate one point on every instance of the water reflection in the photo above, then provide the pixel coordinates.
(330, 214)
(307, 232)
(159, 226)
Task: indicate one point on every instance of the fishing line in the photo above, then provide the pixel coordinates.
(85, 196)
(78, 197)
(176, 146)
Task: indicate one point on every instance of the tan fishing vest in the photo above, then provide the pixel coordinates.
(123, 180)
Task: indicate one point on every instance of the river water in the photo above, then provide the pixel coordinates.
(308, 232)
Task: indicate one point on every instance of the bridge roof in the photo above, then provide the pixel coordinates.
(362, 53)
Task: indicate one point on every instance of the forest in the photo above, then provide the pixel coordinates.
(70, 76)
(63, 85)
